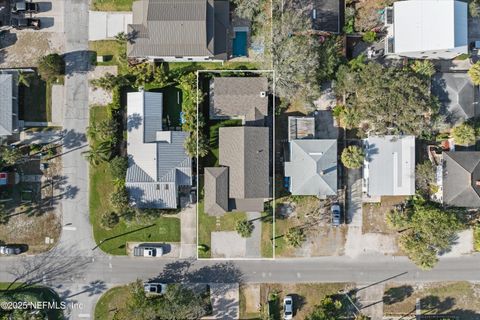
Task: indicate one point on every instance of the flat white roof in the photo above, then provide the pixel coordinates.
(390, 165)
(426, 25)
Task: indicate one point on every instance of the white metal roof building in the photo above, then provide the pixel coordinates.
(158, 163)
(428, 29)
(389, 168)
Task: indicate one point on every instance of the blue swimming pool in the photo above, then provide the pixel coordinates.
(240, 44)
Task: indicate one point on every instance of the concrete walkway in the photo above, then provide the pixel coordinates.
(253, 243)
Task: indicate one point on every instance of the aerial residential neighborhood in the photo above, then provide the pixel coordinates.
(239, 159)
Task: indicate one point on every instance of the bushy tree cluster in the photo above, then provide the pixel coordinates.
(426, 230)
(386, 100)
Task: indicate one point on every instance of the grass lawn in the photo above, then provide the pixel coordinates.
(305, 296)
(163, 229)
(476, 237)
(111, 50)
(211, 160)
(267, 234)
(19, 292)
(111, 301)
(453, 298)
(112, 5)
(208, 224)
(34, 104)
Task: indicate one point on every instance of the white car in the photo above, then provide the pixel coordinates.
(154, 288)
(10, 250)
(287, 308)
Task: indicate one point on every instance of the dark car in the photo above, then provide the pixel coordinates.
(25, 23)
(336, 214)
(10, 250)
(25, 6)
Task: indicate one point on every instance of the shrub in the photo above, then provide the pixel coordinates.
(119, 199)
(423, 67)
(352, 157)
(244, 228)
(369, 36)
(110, 220)
(51, 66)
(118, 167)
(464, 134)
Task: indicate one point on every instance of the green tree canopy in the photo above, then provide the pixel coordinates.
(51, 66)
(352, 157)
(328, 309)
(474, 73)
(424, 177)
(426, 230)
(387, 100)
(464, 134)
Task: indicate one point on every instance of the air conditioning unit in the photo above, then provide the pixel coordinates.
(263, 94)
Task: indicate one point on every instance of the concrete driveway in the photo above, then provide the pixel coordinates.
(225, 301)
(106, 25)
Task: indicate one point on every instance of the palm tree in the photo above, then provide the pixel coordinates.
(24, 78)
(244, 228)
(98, 153)
(295, 237)
(352, 157)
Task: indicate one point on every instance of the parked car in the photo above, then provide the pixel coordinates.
(149, 252)
(287, 308)
(10, 250)
(23, 6)
(25, 23)
(154, 288)
(336, 214)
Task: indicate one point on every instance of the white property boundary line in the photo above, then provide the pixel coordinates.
(198, 72)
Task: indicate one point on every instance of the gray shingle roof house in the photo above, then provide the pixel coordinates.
(216, 190)
(458, 96)
(389, 168)
(427, 29)
(461, 179)
(8, 104)
(158, 163)
(312, 167)
(243, 98)
(245, 151)
(179, 30)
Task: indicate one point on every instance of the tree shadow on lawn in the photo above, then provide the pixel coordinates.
(397, 294)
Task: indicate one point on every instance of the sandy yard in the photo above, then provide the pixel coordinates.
(99, 96)
(461, 299)
(313, 216)
(23, 48)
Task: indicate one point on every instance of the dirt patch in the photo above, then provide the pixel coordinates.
(312, 216)
(32, 231)
(24, 48)
(375, 215)
(461, 299)
(250, 303)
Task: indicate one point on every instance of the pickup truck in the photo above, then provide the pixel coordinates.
(25, 6)
(25, 23)
(149, 252)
